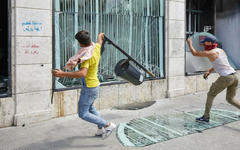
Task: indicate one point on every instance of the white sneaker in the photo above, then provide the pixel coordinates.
(100, 132)
(108, 130)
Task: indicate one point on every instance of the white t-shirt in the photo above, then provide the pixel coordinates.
(221, 64)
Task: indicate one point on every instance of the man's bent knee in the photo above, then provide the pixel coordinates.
(229, 100)
(211, 94)
(82, 115)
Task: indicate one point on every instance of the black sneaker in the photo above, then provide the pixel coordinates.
(202, 119)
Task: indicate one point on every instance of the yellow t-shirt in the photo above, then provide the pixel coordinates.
(92, 66)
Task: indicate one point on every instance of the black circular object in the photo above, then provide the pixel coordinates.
(126, 70)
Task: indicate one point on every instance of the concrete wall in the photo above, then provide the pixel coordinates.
(174, 41)
(226, 20)
(7, 111)
(32, 63)
(65, 102)
(32, 60)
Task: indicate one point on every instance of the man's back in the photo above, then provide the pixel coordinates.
(91, 78)
(221, 64)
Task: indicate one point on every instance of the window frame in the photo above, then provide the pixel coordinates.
(9, 47)
(105, 83)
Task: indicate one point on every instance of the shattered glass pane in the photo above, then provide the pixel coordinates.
(137, 139)
(134, 25)
(154, 129)
(173, 122)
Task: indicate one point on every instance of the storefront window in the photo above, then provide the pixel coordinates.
(220, 18)
(135, 25)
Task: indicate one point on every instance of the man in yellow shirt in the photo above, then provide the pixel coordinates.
(90, 88)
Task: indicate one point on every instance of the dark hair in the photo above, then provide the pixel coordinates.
(83, 37)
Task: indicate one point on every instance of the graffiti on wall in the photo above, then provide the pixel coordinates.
(30, 48)
(32, 26)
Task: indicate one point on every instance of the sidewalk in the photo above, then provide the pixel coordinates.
(72, 133)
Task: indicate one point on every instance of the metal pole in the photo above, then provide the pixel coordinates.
(126, 54)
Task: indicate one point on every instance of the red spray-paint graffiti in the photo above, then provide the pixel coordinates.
(31, 48)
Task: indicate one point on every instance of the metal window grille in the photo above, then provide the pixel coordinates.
(193, 16)
(135, 25)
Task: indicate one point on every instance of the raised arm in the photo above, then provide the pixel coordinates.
(100, 38)
(194, 52)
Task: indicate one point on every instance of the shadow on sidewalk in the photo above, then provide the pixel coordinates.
(78, 142)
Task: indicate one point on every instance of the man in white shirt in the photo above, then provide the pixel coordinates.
(227, 79)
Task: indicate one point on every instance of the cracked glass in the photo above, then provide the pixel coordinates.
(134, 25)
(158, 128)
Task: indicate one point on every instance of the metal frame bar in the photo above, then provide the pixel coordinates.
(196, 17)
(162, 54)
(53, 48)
